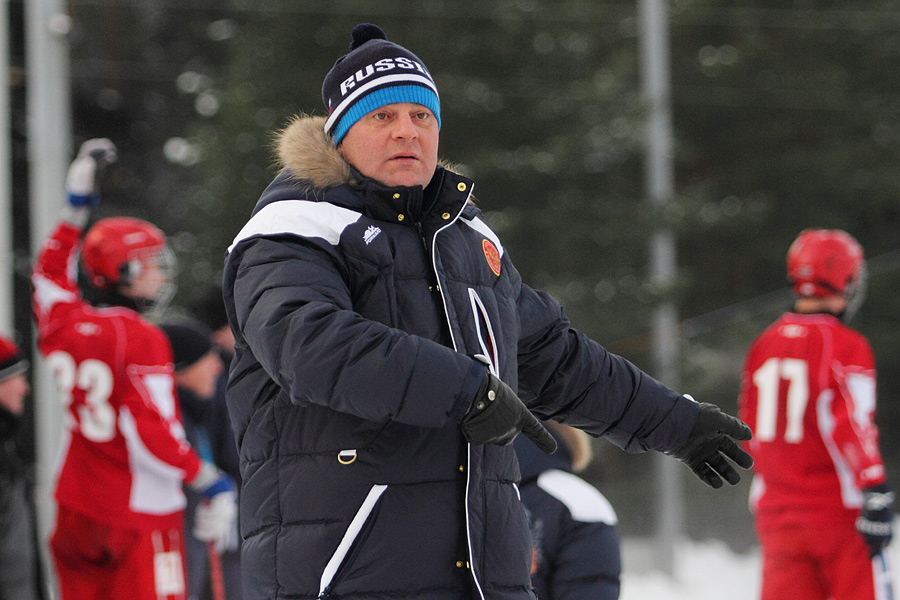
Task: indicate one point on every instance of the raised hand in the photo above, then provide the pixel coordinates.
(93, 158)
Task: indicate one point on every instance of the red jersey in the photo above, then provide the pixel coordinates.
(808, 394)
(123, 456)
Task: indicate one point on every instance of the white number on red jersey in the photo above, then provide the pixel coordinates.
(768, 380)
(96, 417)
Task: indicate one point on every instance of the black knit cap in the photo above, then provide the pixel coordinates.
(374, 73)
(190, 339)
(11, 360)
(208, 306)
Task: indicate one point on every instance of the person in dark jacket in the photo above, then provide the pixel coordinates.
(197, 370)
(573, 526)
(19, 570)
(208, 308)
(387, 353)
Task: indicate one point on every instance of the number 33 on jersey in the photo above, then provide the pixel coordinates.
(124, 454)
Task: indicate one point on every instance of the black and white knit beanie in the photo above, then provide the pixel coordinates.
(374, 73)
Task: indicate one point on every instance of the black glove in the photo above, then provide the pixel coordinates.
(710, 439)
(875, 522)
(496, 416)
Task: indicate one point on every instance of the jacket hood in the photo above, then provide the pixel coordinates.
(303, 148)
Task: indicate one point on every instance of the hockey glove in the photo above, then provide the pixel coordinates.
(216, 521)
(84, 172)
(211, 482)
(875, 522)
(710, 441)
(496, 416)
(216, 517)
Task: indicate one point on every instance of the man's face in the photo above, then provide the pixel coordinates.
(396, 144)
(202, 376)
(12, 393)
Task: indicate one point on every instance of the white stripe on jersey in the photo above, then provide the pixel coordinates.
(862, 390)
(160, 387)
(850, 494)
(298, 217)
(156, 487)
(47, 294)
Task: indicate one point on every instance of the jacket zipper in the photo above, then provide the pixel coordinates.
(485, 332)
(348, 547)
(456, 347)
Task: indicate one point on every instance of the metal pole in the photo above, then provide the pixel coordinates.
(49, 148)
(660, 186)
(7, 252)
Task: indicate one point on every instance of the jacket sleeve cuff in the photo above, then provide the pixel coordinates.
(676, 426)
(467, 392)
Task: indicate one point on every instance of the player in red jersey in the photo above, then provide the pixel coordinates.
(822, 506)
(119, 530)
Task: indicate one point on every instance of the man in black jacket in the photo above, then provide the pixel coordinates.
(387, 353)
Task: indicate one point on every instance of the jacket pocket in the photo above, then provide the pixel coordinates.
(485, 333)
(353, 539)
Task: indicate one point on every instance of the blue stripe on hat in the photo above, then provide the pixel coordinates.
(415, 94)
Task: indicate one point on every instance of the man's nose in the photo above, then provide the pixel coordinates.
(405, 128)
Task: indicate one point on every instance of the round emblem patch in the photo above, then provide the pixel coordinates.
(492, 256)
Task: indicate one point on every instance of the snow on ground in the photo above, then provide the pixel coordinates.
(705, 571)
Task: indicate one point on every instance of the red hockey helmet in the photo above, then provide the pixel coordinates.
(116, 249)
(824, 262)
(11, 360)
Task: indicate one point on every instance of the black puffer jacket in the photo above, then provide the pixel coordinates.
(357, 310)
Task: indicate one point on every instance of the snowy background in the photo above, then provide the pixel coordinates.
(705, 571)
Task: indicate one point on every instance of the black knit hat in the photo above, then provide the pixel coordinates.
(11, 360)
(190, 339)
(208, 306)
(374, 73)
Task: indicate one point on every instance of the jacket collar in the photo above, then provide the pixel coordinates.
(313, 169)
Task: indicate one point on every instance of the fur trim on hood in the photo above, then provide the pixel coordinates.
(304, 149)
